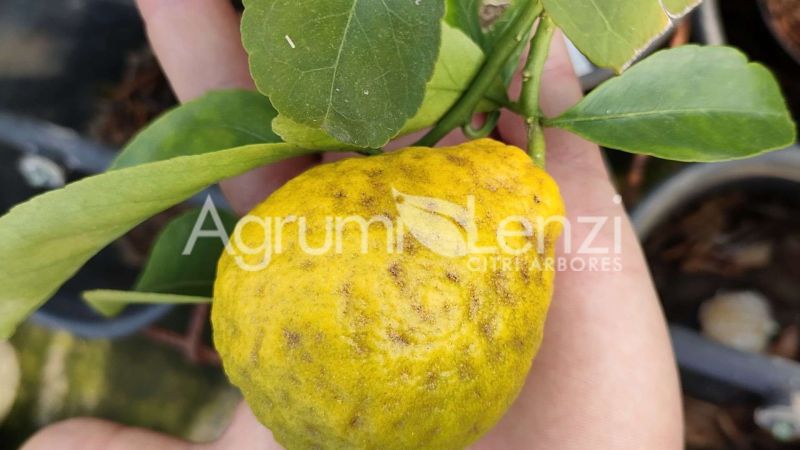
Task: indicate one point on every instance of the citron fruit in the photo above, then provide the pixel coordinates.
(418, 333)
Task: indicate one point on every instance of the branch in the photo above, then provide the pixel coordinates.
(532, 86)
(465, 107)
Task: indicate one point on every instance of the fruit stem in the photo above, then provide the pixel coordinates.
(532, 86)
(461, 112)
(484, 130)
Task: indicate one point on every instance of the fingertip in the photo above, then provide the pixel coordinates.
(198, 44)
(245, 431)
(561, 88)
(246, 191)
(559, 91)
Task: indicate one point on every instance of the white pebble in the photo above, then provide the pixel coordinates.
(742, 320)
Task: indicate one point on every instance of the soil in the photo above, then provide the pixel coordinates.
(737, 238)
(142, 94)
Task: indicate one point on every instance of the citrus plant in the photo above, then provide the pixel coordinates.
(350, 75)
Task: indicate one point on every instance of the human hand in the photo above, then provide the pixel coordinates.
(605, 375)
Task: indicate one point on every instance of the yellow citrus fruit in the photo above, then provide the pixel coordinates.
(414, 334)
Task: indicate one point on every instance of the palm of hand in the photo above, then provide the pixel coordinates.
(585, 364)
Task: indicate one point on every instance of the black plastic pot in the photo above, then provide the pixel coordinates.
(59, 57)
(709, 370)
(36, 156)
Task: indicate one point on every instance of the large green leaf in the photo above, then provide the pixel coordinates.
(677, 8)
(174, 268)
(215, 121)
(465, 15)
(690, 104)
(459, 60)
(44, 241)
(355, 68)
(612, 33)
(183, 260)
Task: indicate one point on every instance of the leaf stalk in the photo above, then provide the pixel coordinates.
(461, 112)
(532, 86)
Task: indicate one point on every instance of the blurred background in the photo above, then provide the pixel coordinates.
(78, 79)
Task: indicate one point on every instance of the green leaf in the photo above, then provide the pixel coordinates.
(678, 8)
(215, 121)
(459, 60)
(356, 69)
(689, 104)
(498, 30)
(612, 33)
(110, 303)
(44, 241)
(181, 264)
(465, 15)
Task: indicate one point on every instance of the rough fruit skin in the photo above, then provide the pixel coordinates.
(388, 350)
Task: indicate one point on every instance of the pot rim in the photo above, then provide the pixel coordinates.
(699, 178)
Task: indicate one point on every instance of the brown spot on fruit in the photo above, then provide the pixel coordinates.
(474, 303)
(416, 174)
(311, 429)
(397, 337)
(519, 343)
(500, 285)
(368, 201)
(452, 276)
(432, 381)
(423, 313)
(256, 349)
(410, 245)
(465, 371)
(355, 422)
(487, 330)
(396, 272)
(292, 338)
(457, 160)
(524, 270)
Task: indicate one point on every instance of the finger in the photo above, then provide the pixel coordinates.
(571, 160)
(199, 47)
(560, 90)
(198, 44)
(78, 434)
(245, 431)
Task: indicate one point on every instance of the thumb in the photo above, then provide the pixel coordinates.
(576, 164)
